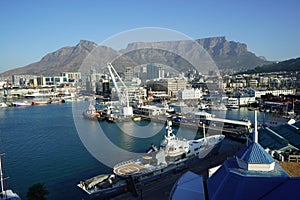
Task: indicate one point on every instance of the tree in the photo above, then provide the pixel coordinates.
(37, 191)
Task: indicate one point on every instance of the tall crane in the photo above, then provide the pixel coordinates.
(123, 95)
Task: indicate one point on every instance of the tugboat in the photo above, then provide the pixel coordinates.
(91, 113)
(173, 154)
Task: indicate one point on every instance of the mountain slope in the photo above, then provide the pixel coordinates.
(287, 65)
(230, 54)
(226, 54)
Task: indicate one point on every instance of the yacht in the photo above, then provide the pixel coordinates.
(173, 154)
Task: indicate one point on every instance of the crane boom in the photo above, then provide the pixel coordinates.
(112, 71)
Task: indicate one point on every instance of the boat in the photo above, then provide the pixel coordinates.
(136, 118)
(40, 95)
(218, 107)
(57, 101)
(4, 193)
(91, 113)
(233, 107)
(3, 105)
(172, 155)
(203, 106)
(23, 103)
(40, 102)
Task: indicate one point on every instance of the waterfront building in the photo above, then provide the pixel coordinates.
(171, 85)
(72, 77)
(25, 80)
(259, 92)
(274, 142)
(189, 94)
(135, 93)
(52, 80)
(251, 174)
(290, 132)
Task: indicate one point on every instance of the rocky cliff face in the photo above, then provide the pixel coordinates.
(230, 54)
(64, 59)
(226, 54)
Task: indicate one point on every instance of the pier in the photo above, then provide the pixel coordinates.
(209, 117)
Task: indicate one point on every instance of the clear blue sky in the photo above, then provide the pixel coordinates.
(30, 29)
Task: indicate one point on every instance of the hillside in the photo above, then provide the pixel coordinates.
(230, 54)
(287, 65)
(226, 54)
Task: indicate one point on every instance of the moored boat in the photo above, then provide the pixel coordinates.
(136, 118)
(40, 102)
(173, 154)
(3, 105)
(24, 103)
(57, 101)
(91, 113)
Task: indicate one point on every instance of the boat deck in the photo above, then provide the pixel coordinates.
(130, 169)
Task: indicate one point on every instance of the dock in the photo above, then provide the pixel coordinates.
(208, 117)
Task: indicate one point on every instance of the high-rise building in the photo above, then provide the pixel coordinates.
(152, 71)
(128, 73)
(102, 87)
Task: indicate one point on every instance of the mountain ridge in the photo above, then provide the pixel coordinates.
(226, 54)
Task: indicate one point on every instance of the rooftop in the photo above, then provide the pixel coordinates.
(254, 153)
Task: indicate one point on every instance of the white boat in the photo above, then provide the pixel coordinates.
(40, 95)
(23, 103)
(4, 193)
(203, 106)
(233, 107)
(3, 105)
(173, 154)
(218, 107)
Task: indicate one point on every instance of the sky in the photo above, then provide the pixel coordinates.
(30, 29)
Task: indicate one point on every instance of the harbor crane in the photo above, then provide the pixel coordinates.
(122, 94)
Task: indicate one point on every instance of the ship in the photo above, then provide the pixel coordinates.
(173, 155)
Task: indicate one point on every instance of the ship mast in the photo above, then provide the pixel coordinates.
(1, 175)
(255, 127)
(204, 131)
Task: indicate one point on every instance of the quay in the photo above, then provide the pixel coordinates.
(234, 129)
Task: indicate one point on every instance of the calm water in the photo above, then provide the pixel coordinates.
(42, 144)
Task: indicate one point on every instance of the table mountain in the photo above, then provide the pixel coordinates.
(226, 54)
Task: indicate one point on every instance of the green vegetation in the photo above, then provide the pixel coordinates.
(288, 65)
(37, 191)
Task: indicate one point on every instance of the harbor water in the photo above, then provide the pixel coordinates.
(47, 144)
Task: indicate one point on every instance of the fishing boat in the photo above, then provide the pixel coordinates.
(6, 194)
(173, 154)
